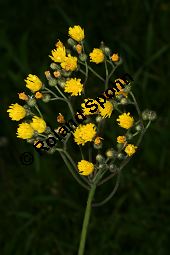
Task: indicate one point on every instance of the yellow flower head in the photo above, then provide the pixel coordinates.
(58, 55)
(130, 149)
(38, 95)
(33, 83)
(23, 96)
(69, 63)
(125, 120)
(84, 133)
(25, 131)
(121, 139)
(73, 86)
(115, 57)
(96, 56)
(86, 110)
(76, 33)
(16, 112)
(85, 167)
(38, 124)
(107, 110)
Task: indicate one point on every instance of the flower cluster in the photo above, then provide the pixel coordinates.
(109, 135)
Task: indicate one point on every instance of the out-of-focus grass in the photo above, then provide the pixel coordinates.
(41, 205)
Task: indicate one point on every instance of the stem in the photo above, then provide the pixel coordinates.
(86, 220)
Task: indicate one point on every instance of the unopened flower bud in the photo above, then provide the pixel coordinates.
(48, 75)
(71, 42)
(83, 57)
(52, 82)
(98, 119)
(127, 88)
(110, 153)
(107, 51)
(61, 83)
(120, 156)
(124, 101)
(57, 74)
(46, 98)
(54, 66)
(66, 73)
(138, 127)
(149, 115)
(31, 102)
(113, 168)
(100, 158)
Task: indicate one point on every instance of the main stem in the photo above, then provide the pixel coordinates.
(86, 220)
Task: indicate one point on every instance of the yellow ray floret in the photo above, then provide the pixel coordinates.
(23, 96)
(33, 83)
(58, 55)
(85, 167)
(38, 124)
(73, 86)
(84, 133)
(69, 63)
(96, 56)
(25, 131)
(107, 110)
(125, 120)
(76, 33)
(16, 112)
(130, 149)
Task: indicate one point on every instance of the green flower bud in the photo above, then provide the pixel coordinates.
(61, 83)
(97, 146)
(54, 66)
(106, 51)
(31, 102)
(52, 82)
(149, 115)
(124, 101)
(83, 57)
(138, 127)
(120, 156)
(110, 153)
(100, 158)
(66, 73)
(113, 168)
(98, 119)
(71, 42)
(127, 88)
(46, 98)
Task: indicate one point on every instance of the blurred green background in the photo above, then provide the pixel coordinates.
(41, 206)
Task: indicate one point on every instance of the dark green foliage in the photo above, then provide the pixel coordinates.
(42, 206)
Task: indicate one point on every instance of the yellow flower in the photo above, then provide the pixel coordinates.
(84, 133)
(107, 110)
(58, 55)
(130, 149)
(38, 124)
(96, 56)
(38, 95)
(73, 86)
(76, 33)
(85, 167)
(121, 139)
(69, 63)
(125, 121)
(86, 110)
(23, 96)
(16, 112)
(33, 83)
(115, 57)
(25, 131)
